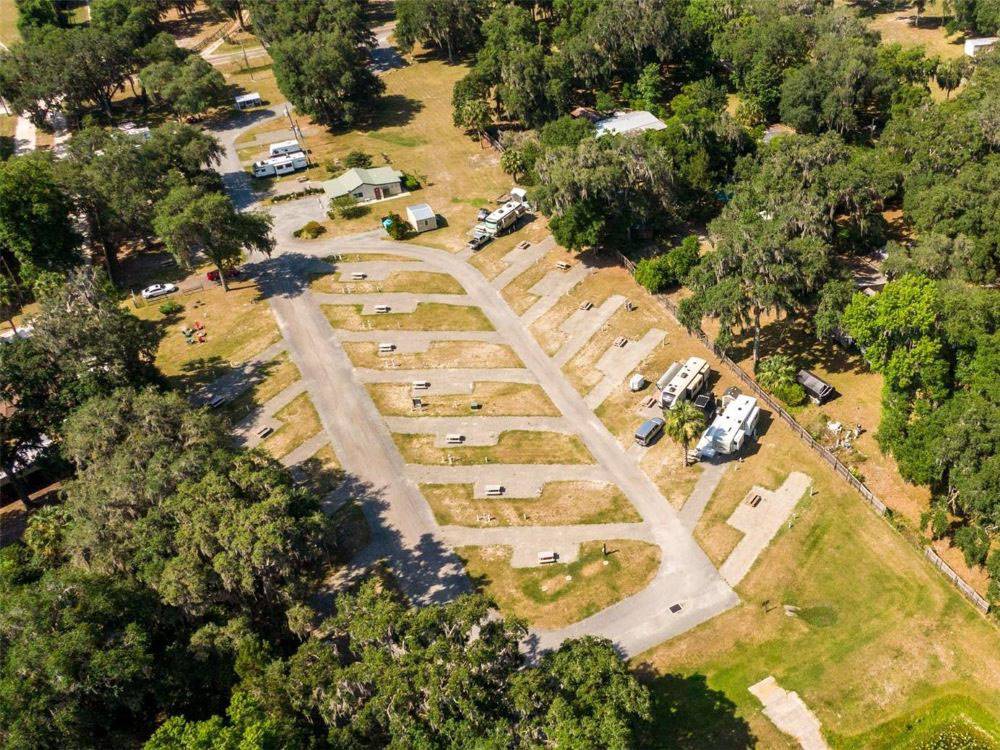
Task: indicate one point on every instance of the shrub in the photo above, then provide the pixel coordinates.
(974, 543)
(993, 568)
(358, 159)
(410, 182)
(171, 307)
(310, 231)
(792, 394)
(296, 195)
(346, 207)
(659, 273)
(397, 228)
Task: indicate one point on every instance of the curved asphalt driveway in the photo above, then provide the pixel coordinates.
(406, 531)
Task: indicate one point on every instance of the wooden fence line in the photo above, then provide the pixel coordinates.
(835, 463)
(220, 32)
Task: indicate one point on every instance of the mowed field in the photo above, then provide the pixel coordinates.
(881, 641)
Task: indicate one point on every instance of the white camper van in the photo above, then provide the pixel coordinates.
(683, 381)
(502, 220)
(730, 429)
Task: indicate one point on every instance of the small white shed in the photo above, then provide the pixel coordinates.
(246, 101)
(421, 217)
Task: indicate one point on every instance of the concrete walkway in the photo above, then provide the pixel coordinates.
(25, 136)
(528, 541)
(704, 488)
(474, 430)
(519, 261)
(447, 381)
(246, 430)
(414, 338)
(760, 524)
(790, 714)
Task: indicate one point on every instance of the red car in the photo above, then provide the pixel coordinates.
(230, 274)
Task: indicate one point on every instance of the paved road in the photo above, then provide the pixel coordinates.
(686, 577)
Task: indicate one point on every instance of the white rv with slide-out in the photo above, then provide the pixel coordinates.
(730, 429)
(683, 381)
(279, 165)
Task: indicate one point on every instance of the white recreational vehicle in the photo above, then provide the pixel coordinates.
(279, 165)
(502, 220)
(726, 434)
(283, 147)
(682, 381)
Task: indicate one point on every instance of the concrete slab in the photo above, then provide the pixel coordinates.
(582, 325)
(552, 287)
(789, 713)
(375, 270)
(445, 382)
(760, 524)
(708, 480)
(519, 261)
(418, 338)
(246, 430)
(618, 362)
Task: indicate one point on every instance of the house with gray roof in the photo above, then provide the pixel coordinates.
(365, 184)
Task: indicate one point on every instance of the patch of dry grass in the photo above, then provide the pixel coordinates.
(513, 447)
(299, 422)
(416, 282)
(560, 504)
(460, 354)
(428, 316)
(557, 595)
(238, 324)
(496, 400)
(321, 472)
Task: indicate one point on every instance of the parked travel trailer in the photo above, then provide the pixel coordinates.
(502, 220)
(284, 147)
(730, 429)
(686, 382)
(279, 165)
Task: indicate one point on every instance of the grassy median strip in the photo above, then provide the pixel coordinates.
(429, 316)
(560, 504)
(415, 282)
(458, 354)
(495, 400)
(557, 595)
(299, 422)
(513, 447)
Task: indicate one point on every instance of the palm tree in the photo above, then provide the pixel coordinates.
(684, 423)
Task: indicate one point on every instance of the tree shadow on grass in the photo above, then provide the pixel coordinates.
(793, 336)
(392, 111)
(687, 713)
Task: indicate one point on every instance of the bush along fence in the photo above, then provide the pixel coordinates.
(835, 463)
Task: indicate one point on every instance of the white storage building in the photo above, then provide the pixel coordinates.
(421, 217)
(246, 101)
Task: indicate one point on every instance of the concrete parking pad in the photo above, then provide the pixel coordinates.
(789, 713)
(376, 270)
(519, 261)
(445, 382)
(618, 361)
(551, 289)
(417, 341)
(583, 324)
(697, 501)
(760, 524)
(246, 430)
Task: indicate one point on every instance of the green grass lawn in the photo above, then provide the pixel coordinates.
(556, 595)
(881, 643)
